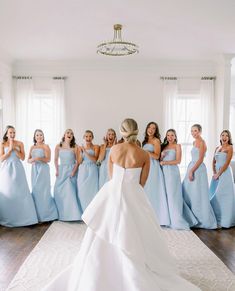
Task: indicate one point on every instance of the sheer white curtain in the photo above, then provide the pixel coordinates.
(24, 114)
(39, 108)
(58, 95)
(207, 96)
(170, 96)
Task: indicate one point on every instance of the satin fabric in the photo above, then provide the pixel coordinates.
(196, 194)
(41, 188)
(65, 189)
(123, 248)
(16, 203)
(103, 169)
(223, 194)
(155, 189)
(180, 215)
(87, 181)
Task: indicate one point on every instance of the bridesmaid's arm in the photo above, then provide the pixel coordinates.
(202, 150)
(56, 160)
(102, 152)
(20, 153)
(225, 166)
(4, 156)
(30, 159)
(95, 157)
(214, 162)
(177, 158)
(47, 152)
(145, 171)
(157, 150)
(77, 155)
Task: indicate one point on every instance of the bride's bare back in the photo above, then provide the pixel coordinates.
(129, 155)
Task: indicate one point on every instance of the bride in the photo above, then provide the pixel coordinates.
(123, 248)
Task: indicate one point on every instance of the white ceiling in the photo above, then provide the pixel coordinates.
(71, 29)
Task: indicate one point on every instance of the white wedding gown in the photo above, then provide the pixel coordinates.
(123, 248)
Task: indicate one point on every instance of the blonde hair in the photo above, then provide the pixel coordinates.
(129, 130)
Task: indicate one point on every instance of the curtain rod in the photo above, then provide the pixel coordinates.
(30, 77)
(180, 78)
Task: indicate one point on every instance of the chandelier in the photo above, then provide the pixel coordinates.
(117, 47)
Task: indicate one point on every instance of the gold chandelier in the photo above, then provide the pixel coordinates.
(117, 47)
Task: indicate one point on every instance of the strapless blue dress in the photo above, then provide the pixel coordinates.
(65, 189)
(155, 189)
(222, 194)
(16, 203)
(196, 194)
(41, 188)
(88, 181)
(177, 206)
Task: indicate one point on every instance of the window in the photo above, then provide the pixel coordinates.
(38, 108)
(187, 113)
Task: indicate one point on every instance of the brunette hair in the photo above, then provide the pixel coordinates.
(230, 142)
(5, 138)
(72, 142)
(156, 134)
(165, 142)
(34, 139)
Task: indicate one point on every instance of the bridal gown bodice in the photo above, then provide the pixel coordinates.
(123, 248)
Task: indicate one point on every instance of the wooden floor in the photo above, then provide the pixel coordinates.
(17, 243)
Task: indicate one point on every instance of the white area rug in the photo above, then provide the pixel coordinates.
(61, 242)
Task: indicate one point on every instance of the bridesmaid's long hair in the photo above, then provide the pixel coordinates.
(165, 142)
(34, 139)
(5, 138)
(72, 142)
(156, 134)
(230, 142)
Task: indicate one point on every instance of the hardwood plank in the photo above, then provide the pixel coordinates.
(15, 245)
(221, 242)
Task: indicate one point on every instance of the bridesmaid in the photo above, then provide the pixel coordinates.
(154, 186)
(109, 141)
(39, 157)
(16, 203)
(88, 182)
(170, 158)
(65, 189)
(222, 186)
(195, 184)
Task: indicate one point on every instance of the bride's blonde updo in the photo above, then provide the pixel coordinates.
(129, 130)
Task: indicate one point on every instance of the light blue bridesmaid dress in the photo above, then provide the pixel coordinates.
(88, 182)
(41, 188)
(65, 189)
(16, 203)
(177, 207)
(155, 189)
(103, 169)
(196, 194)
(223, 194)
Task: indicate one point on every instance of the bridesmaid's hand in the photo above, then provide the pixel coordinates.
(163, 154)
(72, 175)
(57, 173)
(216, 176)
(31, 161)
(162, 163)
(191, 176)
(11, 144)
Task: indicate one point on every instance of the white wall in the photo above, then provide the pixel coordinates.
(100, 95)
(6, 95)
